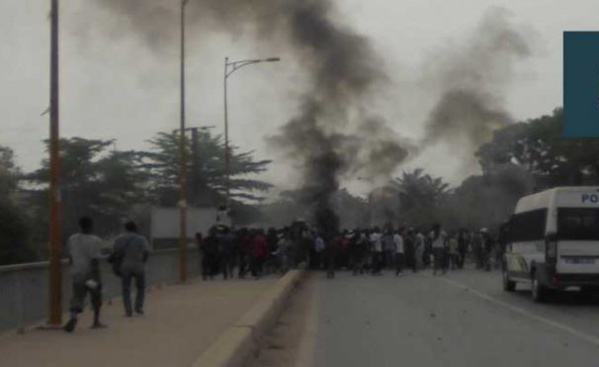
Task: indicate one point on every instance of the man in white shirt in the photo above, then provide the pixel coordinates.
(377, 247)
(438, 236)
(84, 250)
(399, 252)
(418, 250)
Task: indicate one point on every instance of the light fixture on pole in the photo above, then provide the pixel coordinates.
(230, 68)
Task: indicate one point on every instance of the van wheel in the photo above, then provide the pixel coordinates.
(539, 293)
(508, 285)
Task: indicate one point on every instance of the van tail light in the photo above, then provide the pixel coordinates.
(555, 278)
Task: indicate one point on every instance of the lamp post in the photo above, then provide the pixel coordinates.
(55, 265)
(182, 160)
(230, 68)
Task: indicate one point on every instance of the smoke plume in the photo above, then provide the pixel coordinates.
(472, 78)
(332, 136)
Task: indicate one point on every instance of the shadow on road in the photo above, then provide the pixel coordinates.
(565, 298)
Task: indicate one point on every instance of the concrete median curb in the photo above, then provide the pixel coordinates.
(233, 347)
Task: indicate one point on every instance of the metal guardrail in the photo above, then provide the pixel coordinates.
(24, 287)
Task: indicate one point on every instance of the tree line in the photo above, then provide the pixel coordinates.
(110, 185)
(520, 159)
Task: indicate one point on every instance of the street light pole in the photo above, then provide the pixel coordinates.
(230, 68)
(55, 267)
(227, 155)
(182, 160)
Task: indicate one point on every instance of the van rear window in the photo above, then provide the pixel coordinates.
(528, 226)
(578, 223)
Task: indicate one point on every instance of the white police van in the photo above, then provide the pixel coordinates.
(553, 241)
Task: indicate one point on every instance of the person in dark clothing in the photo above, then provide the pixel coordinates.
(488, 245)
(272, 241)
(258, 254)
(408, 248)
(227, 252)
(244, 239)
(330, 255)
(479, 251)
(210, 258)
(198, 240)
(353, 251)
(462, 248)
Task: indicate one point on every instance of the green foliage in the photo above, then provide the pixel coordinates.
(15, 245)
(520, 159)
(538, 147)
(419, 195)
(95, 182)
(14, 233)
(205, 170)
(8, 173)
(486, 200)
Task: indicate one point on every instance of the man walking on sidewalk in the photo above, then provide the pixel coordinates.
(133, 249)
(84, 254)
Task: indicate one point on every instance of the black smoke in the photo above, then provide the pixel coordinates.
(333, 136)
(472, 77)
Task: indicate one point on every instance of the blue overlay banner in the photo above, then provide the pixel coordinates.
(581, 84)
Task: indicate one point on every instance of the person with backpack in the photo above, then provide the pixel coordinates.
(84, 251)
(133, 250)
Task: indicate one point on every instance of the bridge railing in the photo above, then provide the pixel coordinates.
(24, 287)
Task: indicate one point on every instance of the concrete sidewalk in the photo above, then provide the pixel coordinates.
(180, 323)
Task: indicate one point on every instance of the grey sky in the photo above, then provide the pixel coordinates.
(113, 86)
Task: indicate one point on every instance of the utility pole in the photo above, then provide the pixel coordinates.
(182, 161)
(55, 267)
(195, 166)
(227, 153)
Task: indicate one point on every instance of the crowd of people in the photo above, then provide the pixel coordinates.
(255, 252)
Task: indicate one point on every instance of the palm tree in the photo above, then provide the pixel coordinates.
(417, 189)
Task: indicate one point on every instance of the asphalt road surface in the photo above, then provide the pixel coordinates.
(461, 319)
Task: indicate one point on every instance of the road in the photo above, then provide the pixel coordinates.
(461, 319)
